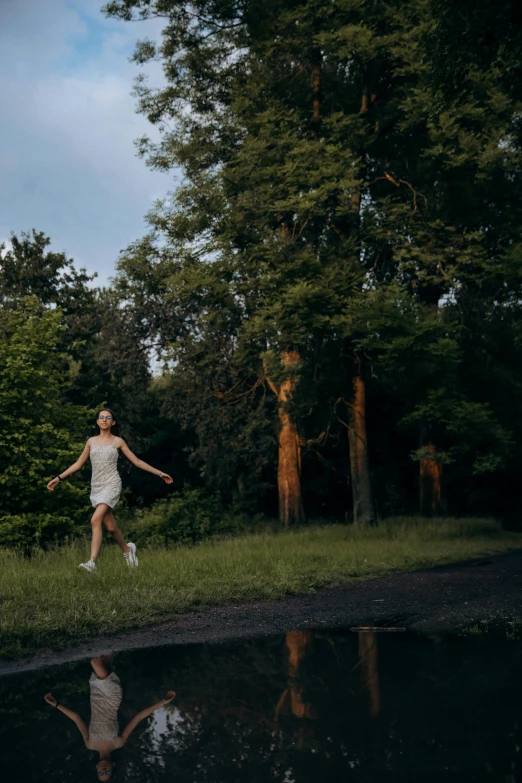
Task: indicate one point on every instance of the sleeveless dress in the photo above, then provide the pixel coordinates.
(105, 481)
(105, 702)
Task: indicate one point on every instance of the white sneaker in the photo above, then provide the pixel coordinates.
(90, 566)
(130, 556)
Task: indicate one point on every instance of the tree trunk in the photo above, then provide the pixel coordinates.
(363, 510)
(316, 100)
(370, 670)
(431, 501)
(291, 509)
(289, 473)
(289, 467)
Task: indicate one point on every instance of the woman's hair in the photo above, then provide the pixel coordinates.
(115, 429)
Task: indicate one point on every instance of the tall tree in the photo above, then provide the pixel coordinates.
(279, 147)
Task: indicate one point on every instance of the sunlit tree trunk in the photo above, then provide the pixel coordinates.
(370, 670)
(289, 467)
(291, 509)
(363, 509)
(362, 500)
(431, 484)
(430, 478)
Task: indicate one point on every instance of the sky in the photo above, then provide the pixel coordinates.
(68, 165)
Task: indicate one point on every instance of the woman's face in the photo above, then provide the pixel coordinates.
(105, 420)
(104, 769)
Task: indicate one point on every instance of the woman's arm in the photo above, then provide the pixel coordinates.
(77, 465)
(140, 464)
(145, 713)
(49, 698)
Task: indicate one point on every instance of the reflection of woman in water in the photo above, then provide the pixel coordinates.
(103, 732)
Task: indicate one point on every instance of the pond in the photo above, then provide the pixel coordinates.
(305, 706)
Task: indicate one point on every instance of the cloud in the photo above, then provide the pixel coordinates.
(68, 164)
(5, 247)
(36, 34)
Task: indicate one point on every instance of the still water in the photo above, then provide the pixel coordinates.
(306, 706)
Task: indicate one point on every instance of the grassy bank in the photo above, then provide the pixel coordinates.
(47, 601)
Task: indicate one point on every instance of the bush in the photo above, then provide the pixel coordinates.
(26, 531)
(184, 518)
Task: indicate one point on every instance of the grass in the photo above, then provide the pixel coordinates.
(46, 601)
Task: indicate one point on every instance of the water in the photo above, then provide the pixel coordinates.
(303, 707)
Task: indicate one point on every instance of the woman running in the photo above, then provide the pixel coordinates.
(106, 484)
(103, 734)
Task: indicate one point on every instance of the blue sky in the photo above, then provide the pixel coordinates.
(68, 165)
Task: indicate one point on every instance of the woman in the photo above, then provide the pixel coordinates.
(106, 484)
(103, 733)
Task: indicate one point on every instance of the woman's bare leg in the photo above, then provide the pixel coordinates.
(114, 530)
(101, 667)
(97, 533)
(108, 659)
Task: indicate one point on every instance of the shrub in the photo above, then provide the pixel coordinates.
(184, 518)
(25, 531)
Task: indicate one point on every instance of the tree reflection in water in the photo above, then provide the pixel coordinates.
(369, 670)
(293, 700)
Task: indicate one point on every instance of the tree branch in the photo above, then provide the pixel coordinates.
(270, 383)
(400, 182)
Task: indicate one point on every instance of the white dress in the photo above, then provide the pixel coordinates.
(105, 703)
(105, 481)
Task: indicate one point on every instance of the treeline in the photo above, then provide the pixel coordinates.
(333, 291)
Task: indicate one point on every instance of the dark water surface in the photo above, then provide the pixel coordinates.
(303, 707)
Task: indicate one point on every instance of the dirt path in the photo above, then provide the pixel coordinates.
(436, 600)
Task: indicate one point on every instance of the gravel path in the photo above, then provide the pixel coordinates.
(436, 600)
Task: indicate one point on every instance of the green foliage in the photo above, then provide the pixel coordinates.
(39, 433)
(29, 269)
(104, 358)
(186, 517)
(33, 529)
(349, 193)
(473, 432)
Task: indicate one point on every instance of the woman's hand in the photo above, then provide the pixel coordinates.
(53, 483)
(166, 478)
(168, 697)
(49, 698)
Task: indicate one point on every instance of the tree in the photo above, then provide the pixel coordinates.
(328, 155)
(269, 223)
(461, 256)
(29, 269)
(39, 433)
(103, 356)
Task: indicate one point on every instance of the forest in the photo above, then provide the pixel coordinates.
(324, 319)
